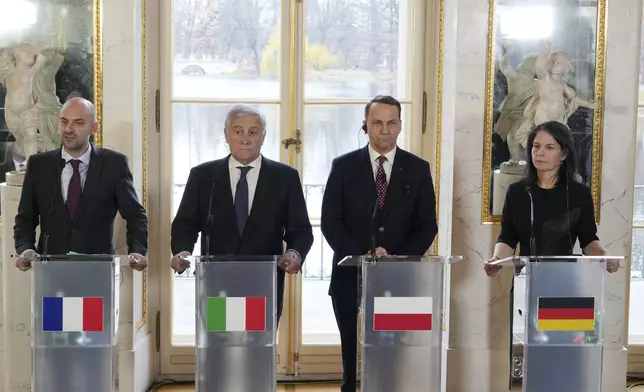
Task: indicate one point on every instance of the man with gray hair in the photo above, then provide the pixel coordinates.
(255, 204)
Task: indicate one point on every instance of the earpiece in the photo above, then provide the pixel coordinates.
(364, 127)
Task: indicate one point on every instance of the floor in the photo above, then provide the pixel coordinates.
(318, 388)
(281, 388)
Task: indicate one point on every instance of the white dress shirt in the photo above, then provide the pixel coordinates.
(252, 177)
(68, 170)
(387, 165)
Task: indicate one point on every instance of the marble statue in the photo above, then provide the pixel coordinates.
(31, 103)
(521, 88)
(537, 92)
(48, 103)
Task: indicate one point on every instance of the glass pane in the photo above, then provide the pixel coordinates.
(318, 320)
(198, 138)
(519, 309)
(642, 65)
(357, 49)
(636, 312)
(326, 136)
(226, 49)
(638, 194)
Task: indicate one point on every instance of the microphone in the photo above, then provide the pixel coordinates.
(56, 189)
(533, 246)
(209, 219)
(374, 215)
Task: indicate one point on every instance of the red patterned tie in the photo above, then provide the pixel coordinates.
(74, 189)
(381, 182)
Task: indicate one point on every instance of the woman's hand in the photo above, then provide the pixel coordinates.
(612, 265)
(492, 270)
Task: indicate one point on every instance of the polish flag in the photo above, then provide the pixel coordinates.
(402, 314)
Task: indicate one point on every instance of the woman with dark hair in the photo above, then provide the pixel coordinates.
(549, 209)
(545, 214)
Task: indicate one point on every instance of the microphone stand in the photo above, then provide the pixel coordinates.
(533, 242)
(373, 240)
(45, 236)
(209, 220)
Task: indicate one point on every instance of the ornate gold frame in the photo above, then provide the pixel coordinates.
(98, 73)
(439, 112)
(598, 118)
(144, 135)
(98, 70)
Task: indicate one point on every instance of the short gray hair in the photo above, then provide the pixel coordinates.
(244, 111)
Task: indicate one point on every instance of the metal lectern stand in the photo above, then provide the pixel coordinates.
(236, 323)
(401, 309)
(74, 323)
(565, 300)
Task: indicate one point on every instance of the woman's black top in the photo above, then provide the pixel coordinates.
(561, 216)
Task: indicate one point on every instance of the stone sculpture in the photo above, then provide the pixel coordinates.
(31, 104)
(537, 92)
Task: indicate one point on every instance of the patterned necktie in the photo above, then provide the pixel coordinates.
(381, 182)
(74, 189)
(241, 199)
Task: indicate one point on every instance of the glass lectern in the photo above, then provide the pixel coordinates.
(236, 323)
(74, 322)
(401, 308)
(565, 305)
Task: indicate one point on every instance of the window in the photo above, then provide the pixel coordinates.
(310, 67)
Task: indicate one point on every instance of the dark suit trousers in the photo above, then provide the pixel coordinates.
(345, 307)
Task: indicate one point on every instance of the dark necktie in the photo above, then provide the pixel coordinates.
(381, 182)
(241, 199)
(74, 189)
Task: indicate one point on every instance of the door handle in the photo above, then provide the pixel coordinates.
(296, 141)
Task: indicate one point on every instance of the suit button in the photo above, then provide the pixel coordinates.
(381, 229)
(73, 231)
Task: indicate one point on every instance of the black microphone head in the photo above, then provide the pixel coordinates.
(62, 163)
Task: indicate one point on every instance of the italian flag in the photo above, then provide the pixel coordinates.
(236, 314)
(402, 313)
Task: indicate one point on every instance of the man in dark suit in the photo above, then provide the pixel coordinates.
(14, 161)
(257, 204)
(377, 189)
(74, 193)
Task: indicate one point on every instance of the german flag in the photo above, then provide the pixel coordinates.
(566, 314)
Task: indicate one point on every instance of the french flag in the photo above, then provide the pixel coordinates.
(72, 314)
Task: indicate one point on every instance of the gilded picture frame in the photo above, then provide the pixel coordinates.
(564, 41)
(60, 42)
(142, 321)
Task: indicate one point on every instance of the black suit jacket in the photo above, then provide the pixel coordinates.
(7, 166)
(406, 225)
(108, 188)
(278, 214)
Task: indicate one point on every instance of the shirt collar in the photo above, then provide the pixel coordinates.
(17, 164)
(373, 155)
(234, 163)
(83, 158)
